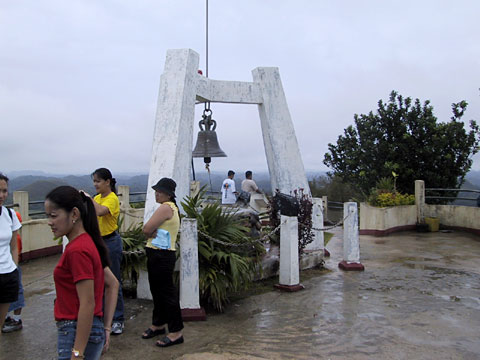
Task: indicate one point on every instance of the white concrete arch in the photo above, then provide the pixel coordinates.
(181, 86)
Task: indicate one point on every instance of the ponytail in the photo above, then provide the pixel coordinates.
(172, 199)
(67, 198)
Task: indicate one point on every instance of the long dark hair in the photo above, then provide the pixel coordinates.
(67, 198)
(172, 199)
(105, 174)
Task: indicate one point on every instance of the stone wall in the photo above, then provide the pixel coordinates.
(383, 221)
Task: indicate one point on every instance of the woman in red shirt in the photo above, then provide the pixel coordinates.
(80, 276)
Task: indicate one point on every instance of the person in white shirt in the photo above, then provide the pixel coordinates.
(229, 191)
(9, 225)
(248, 185)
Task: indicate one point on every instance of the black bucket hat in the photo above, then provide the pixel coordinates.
(165, 185)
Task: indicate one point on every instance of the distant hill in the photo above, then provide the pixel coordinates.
(467, 195)
(473, 177)
(40, 188)
(39, 185)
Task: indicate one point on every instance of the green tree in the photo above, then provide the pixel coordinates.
(404, 136)
(334, 188)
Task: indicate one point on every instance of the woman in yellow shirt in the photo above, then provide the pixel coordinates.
(107, 208)
(162, 229)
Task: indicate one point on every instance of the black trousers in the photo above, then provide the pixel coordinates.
(166, 306)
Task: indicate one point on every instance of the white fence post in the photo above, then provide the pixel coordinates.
(317, 222)
(189, 272)
(420, 200)
(289, 279)
(21, 198)
(351, 244)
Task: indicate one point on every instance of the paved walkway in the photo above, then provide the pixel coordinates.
(419, 298)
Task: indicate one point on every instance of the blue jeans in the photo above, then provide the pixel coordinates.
(20, 303)
(66, 338)
(115, 248)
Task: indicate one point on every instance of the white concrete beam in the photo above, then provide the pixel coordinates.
(235, 92)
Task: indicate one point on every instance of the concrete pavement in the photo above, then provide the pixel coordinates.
(418, 298)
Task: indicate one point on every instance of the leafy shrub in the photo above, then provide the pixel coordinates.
(305, 232)
(223, 268)
(386, 184)
(134, 258)
(384, 199)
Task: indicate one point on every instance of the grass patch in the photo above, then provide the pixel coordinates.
(326, 237)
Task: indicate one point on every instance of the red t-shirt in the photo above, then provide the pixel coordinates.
(80, 261)
(19, 238)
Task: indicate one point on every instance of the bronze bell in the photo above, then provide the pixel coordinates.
(207, 142)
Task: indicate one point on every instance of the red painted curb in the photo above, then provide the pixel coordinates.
(194, 314)
(289, 288)
(350, 267)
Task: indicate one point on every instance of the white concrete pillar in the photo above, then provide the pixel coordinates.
(143, 286)
(420, 200)
(173, 133)
(124, 196)
(289, 266)
(21, 198)
(189, 272)
(189, 291)
(317, 222)
(351, 243)
(325, 207)
(281, 147)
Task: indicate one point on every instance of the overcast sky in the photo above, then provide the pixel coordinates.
(79, 78)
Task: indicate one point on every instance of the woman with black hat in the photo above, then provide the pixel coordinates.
(162, 229)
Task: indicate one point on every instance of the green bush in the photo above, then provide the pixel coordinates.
(223, 268)
(134, 258)
(384, 199)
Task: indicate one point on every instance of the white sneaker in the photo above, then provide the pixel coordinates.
(117, 327)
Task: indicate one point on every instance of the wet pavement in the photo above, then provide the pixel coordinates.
(418, 298)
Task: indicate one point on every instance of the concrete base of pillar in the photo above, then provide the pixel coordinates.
(326, 253)
(194, 314)
(289, 288)
(350, 267)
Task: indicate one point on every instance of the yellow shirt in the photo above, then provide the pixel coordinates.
(108, 223)
(171, 225)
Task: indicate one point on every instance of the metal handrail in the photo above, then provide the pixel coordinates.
(449, 198)
(36, 202)
(460, 190)
(452, 198)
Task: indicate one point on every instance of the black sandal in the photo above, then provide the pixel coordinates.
(167, 342)
(149, 333)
